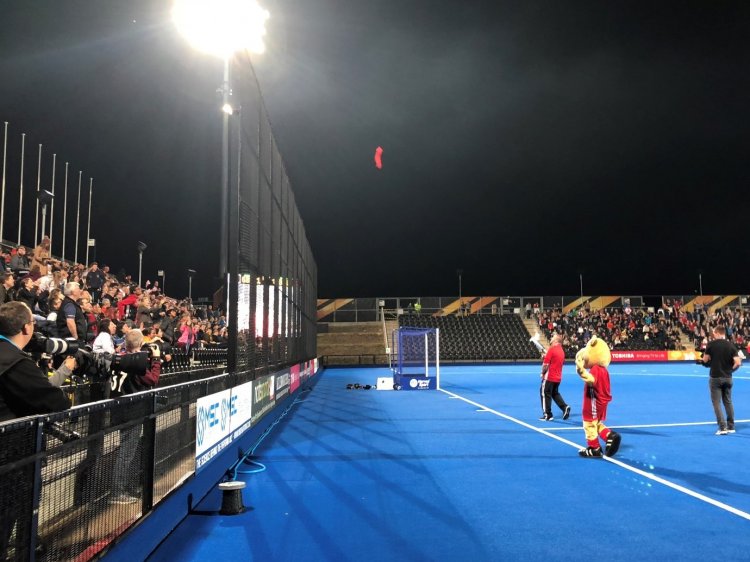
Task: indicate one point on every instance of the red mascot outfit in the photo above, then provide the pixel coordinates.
(591, 364)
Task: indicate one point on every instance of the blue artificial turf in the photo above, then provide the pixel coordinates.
(372, 475)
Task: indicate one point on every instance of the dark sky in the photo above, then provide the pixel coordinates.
(524, 142)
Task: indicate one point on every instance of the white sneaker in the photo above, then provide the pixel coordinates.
(731, 431)
(722, 432)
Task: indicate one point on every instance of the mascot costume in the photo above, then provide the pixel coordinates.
(591, 365)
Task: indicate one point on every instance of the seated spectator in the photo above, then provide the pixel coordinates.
(20, 261)
(27, 293)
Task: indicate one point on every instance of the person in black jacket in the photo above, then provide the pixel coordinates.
(24, 390)
(71, 321)
(723, 359)
(7, 282)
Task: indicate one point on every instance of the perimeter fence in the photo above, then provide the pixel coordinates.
(71, 483)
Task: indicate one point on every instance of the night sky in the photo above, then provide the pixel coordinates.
(525, 142)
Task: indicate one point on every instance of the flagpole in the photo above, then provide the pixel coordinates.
(52, 205)
(20, 188)
(65, 210)
(38, 186)
(78, 215)
(88, 228)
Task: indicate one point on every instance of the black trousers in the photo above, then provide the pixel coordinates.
(548, 392)
(721, 393)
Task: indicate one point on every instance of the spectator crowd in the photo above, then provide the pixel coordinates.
(622, 328)
(74, 301)
(629, 329)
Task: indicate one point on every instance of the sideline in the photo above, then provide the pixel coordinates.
(683, 424)
(648, 475)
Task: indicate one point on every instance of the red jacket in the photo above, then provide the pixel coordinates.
(130, 300)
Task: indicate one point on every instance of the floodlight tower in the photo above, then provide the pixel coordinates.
(224, 28)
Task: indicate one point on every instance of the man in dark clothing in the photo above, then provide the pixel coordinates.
(71, 321)
(7, 281)
(20, 262)
(95, 279)
(24, 390)
(722, 357)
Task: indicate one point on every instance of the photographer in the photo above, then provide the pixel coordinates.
(25, 389)
(135, 371)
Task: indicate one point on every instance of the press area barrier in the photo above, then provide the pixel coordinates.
(184, 367)
(73, 485)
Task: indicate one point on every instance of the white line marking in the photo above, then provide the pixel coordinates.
(638, 471)
(644, 425)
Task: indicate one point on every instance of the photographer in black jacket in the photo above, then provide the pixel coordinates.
(25, 389)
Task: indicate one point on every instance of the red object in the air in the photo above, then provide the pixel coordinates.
(379, 158)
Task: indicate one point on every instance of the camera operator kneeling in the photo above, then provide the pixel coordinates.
(25, 389)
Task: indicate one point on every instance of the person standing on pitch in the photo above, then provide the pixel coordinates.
(722, 358)
(551, 378)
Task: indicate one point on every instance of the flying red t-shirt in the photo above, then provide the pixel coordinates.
(555, 358)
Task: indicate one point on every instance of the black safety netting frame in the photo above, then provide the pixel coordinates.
(71, 483)
(270, 255)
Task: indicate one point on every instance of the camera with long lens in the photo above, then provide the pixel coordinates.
(136, 362)
(89, 364)
(52, 346)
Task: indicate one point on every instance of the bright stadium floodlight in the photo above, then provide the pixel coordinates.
(224, 28)
(221, 27)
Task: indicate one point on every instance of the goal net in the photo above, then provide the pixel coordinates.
(417, 364)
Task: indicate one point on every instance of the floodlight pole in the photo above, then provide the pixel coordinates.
(580, 278)
(224, 249)
(700, 283)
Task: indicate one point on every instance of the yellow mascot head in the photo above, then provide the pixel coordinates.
(596, 352)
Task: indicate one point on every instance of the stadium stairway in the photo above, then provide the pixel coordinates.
(351, 343)
(532, 326)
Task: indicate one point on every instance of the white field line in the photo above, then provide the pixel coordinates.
(638, 471)
(554, 428)
(614, 373)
